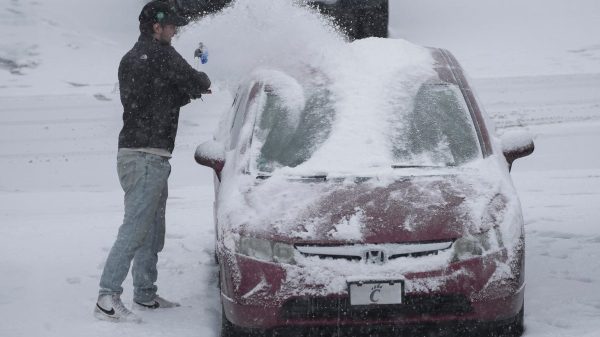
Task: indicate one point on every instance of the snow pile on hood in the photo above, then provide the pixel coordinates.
(351, 227)
(489, 208)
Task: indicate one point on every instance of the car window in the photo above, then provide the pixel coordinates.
(289, 138)
(246, 99)
(438, 130)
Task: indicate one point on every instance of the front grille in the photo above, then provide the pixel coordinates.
(339, 307)
(384, 252)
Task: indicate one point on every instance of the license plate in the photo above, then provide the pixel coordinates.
(376, 292)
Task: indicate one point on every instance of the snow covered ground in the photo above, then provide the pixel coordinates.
(535, 63)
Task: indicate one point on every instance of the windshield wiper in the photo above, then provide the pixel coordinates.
(315, 177)
(420, 166)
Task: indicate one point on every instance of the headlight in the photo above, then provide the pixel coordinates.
(266, 250)
(490, 237)
(475, 245)
(470, 246)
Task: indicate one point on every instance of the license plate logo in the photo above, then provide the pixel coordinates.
(376, 293)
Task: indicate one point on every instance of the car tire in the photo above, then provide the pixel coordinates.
(512, 328)
(229, 329)
(517, 327)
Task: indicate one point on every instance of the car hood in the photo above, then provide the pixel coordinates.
(408, 209)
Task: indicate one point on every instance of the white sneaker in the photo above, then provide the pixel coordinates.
(110, 308)
(156, 303)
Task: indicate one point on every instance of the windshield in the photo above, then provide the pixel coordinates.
(433, 127)
(436, 131)
(287, 135)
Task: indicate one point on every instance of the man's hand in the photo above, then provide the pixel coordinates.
(182, 100)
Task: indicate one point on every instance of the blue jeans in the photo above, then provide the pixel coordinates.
(143, 177)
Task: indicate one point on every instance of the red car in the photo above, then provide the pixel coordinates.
(376, 201)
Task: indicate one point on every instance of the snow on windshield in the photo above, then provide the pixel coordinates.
(286, 135)
(288, 90)
(436, 130)
(404, 116)
(371, 77)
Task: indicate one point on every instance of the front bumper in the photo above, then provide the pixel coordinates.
(263, 295)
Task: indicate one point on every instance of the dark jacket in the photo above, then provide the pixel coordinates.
(155, 81)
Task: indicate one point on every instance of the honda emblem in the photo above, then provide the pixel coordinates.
(375, 256)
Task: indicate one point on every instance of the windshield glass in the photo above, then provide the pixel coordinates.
(432, 127)
(436, 131)
(288, 135)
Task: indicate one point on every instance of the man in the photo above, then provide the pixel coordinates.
(155, 81)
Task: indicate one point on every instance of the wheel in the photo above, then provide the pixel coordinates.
(516, 328)
(229, 329)
(512, 328)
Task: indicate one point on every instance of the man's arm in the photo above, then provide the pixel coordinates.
(190, 81)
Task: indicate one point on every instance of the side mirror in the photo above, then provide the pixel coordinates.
(516, 144)
(211, 154)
